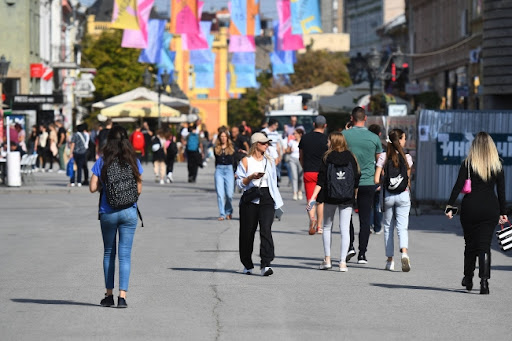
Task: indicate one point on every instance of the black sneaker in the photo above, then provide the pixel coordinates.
(351, 253)
(108, 301)
(361, 259)
(121, 302)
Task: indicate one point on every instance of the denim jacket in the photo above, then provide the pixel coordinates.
(241, 174)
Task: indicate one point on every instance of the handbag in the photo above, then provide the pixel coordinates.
(505, 237)
(253, 193)
(467, 184)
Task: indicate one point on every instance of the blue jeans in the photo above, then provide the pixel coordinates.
(396, 214)
(376, 216)
(224, 185)
(126, 222)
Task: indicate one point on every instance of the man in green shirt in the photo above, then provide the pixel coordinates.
(366, 146)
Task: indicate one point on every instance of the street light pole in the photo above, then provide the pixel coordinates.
(160, 86)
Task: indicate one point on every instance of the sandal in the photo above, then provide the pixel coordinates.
(312, 227)
(220, 219)
(319, 230)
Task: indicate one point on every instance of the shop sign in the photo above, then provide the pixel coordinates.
(36, 70)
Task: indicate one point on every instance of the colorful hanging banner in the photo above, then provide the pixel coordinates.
(155, 35)
(245, 18)
(197, 41)
(184, 16)
(286, 39)
(243, 58)
(138, 39)
(245, 76)
(124, 15)
(305, 16)
(282, 62)
(166, 55)
(204, 76)
(242, 44)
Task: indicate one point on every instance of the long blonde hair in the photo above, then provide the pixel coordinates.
(218, 144)
(483, 156)
(338, 144)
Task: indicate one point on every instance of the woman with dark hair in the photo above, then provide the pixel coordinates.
(339, 159)
(397, 203)
(481, 209)
(224, 177)
(78, 151)
(117, 151)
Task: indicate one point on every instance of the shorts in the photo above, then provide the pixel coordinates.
(310, 179)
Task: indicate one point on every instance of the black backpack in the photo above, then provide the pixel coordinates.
(396, 179)
(121, 185)
(340, 181)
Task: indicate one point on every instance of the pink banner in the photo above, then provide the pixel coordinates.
(242, 44)
(138, 39)
(184, 17)
(197, 41)
(287, 41)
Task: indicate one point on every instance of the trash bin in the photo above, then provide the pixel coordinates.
(13, 169)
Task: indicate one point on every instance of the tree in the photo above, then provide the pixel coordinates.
(117, 68)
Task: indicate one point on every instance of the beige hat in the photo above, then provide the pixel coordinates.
(259, 137)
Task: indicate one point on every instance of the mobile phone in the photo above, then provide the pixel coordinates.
(310, 205)
(454, 210)
(261, 173)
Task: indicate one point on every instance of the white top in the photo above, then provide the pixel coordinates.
(258, 166)
(294, 145)
(383, 157)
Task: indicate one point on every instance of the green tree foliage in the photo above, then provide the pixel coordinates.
(117, 68)
(312, 68)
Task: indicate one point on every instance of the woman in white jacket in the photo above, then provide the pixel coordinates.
(258, 169)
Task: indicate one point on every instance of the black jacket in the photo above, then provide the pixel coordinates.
(336, 158)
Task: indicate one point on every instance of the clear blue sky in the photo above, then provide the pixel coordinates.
(267, 7)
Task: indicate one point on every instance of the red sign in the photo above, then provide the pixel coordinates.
(36, 70)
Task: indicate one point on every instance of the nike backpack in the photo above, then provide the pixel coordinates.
(396, 179)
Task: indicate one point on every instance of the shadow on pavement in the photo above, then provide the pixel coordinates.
(417, 287)
(206, 270)
(50, 302)
(234, 251)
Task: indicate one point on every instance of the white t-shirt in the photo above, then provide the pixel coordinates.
(383, 157)
(258, 166)
(294, 145)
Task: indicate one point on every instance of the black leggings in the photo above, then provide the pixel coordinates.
(250, 215)
(364, 203)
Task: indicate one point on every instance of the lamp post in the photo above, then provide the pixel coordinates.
(374, 59)
(4, 67)
(160, 86)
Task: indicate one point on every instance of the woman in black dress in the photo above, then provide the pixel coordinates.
(481, 209)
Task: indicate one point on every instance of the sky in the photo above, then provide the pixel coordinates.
(267, 7)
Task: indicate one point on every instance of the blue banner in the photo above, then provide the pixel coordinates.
(155, 32)
(452, 148)
(305, 16)
(243, 58)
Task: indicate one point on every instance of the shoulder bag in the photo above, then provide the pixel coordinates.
(505, 237)
(467, 184)
(253, 193)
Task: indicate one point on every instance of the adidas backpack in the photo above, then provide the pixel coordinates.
(121, 185)
(340, 181)
(396, 179)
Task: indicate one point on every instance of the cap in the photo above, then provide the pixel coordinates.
(320, 120)
(259, 137)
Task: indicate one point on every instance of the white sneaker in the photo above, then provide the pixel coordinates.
(72, 184)
(162, 182)
(406, 263)
(61, 171)
(79, 184)
(390, 265)
(343, 267)
(247, 271)
(300, 196)
(267, 271)
(325, 266)
(295, 196)
(169, 177)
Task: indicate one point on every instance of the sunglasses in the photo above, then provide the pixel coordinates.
(264, 143)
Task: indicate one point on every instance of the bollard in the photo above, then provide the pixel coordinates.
(13, 169)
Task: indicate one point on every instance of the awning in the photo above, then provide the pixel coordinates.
(144, 109)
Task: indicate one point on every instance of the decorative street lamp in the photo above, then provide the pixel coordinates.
(160, 87)
(375, 70)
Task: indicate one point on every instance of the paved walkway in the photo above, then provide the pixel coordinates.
(186, 282)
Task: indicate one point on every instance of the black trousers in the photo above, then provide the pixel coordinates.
(478, 237)
(193, 159)
(365, 204)
(79, 161)
(250, 216)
